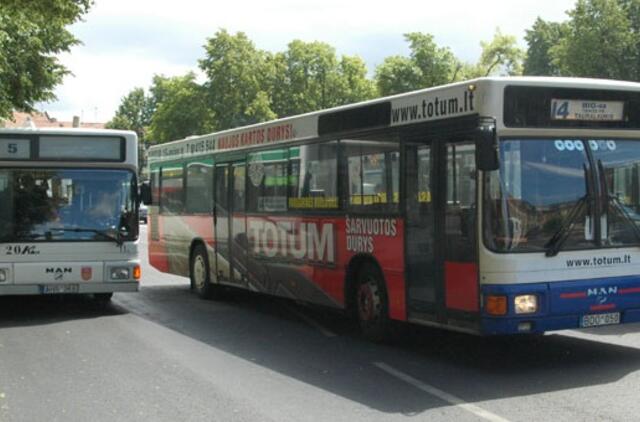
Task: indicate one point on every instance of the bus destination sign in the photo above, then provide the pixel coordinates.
(586, 110)
(15, 149)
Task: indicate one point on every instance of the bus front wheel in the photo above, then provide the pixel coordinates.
(371, 304)
(102, 298)
(200, 275)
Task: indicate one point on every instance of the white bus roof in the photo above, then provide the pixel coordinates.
(459, 97)
(68, 131)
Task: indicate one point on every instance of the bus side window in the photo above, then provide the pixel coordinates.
(373, 170)
(313, 176)
(172, 192)
(461, 202)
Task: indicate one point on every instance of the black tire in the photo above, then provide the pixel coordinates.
(102, 298)
(371, 304)
(199, 272)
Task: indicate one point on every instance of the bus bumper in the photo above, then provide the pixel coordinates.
(566, 305)
(86, 288)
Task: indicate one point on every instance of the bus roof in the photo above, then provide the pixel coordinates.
(456, 100)
(68, 131)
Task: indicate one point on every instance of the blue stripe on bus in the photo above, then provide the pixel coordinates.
(561, 305)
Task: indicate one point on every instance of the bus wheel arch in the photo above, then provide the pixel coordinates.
(366, 297)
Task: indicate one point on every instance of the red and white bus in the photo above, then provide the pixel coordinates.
(493, 206)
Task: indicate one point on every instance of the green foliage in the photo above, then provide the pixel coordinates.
(501, 56)
(32, 33)
(397, 74)
(427, 66)
(134, 113)
(237, 73)
(179, 109)
(601, 39)
(599, 42)
(541, 38)
(309, 76)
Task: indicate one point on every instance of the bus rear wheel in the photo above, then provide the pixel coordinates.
(372, 304)
(200, 275)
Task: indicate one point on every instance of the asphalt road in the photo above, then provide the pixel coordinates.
(164, 355)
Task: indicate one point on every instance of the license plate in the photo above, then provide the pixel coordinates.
(600, 319)
(51, 289)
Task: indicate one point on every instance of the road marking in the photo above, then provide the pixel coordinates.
(442, 395)
(326, 332)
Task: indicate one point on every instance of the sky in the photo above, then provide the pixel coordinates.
(126, 42)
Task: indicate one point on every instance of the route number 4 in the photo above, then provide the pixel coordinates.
(560, 109)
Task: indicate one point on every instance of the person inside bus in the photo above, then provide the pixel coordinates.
(106, 208)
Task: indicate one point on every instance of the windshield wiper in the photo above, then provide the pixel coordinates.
(117, 238)
(613, 199)
(557, 240)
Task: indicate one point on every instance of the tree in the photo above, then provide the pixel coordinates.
(32, 33)
(599, 42)
(540, 39)
(237, 74)
(428, 65)
(309, 76)
(179, 109)
(134, 113)
(397, 74)
(354, 84)
(500, 56)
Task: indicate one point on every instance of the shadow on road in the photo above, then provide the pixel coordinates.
(265, 331)
(21, 311)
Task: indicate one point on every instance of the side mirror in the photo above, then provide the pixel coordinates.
(487, 158)
(145, 193)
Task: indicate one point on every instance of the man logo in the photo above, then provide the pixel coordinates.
(602, 293)
(58, 273)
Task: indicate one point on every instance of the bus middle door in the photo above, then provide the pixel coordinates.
(230, 223)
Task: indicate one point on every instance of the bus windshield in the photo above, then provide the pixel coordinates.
(544, 188)
(67, 205)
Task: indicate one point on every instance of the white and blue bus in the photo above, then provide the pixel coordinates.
(493, 206)
(68, 213)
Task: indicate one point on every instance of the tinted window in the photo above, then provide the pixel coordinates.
(172, 189)
(155, 186)
(267, 186)
(199, 188)
(313, 177)
(373, 174)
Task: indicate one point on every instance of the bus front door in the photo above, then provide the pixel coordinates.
(230, 223)
(420, 257)
(441, 270)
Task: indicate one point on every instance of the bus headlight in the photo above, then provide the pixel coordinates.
(3, 275)
(120, 273)
(525, 304)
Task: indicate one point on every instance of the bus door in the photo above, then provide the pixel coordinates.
(458, 232)
(440, 229)
(221, 223)
(420, 257)
(230, 222)
(238, 226)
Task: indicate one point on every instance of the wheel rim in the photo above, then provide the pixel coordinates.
(368, 301)
(199, 272)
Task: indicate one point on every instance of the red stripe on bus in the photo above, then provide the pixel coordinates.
(576, 295)
(629, 290)
(603, 307)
